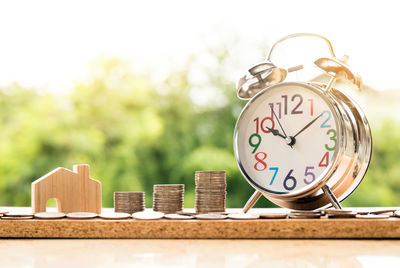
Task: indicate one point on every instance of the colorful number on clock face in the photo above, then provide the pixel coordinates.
(265, 156)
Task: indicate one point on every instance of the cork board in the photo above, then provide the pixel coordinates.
(202, 229)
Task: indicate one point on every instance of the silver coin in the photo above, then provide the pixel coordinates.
(186, 213)
(49, 215)
(210, 172)
(210, 177)
(115, 215)
(212, 192)
(205, 205)
(303, 216)
(222, 212)
(217, 179)
(178, 217)
(209, 211)
(221, 182)
(243, 216)
(337, 211)
(81, 215)
(148, 215)
(372, 216)
(211, 216)
(220, 186)
(129, 193)
(343, 216)
(18, 214)
(17, 218)
(308, 212)
(169, 187)
(383, 211)
(362, 212)
(167, 196)
(273, 215)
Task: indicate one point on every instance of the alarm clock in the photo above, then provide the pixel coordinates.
(303, 145)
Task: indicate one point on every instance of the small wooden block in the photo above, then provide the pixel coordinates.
(74, 191)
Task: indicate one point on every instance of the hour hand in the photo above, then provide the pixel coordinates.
(289, 140)
(275, 132)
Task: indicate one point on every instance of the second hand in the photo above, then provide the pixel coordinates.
(284, 133)
(279, 123)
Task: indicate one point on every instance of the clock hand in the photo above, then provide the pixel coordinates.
(275, 132)
(284, 133)
(306, 126)
(289, 140)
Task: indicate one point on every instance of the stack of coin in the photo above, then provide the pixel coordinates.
(168, 198)
(305, 214)
(129, 202)
(340, 213)
(210, 191)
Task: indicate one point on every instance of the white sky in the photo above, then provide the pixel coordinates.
(49, 44)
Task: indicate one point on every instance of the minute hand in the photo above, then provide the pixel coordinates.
(306, 126)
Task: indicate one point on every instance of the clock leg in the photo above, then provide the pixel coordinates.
(252, 201)
(331, 197)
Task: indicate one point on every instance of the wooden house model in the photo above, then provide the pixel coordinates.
(74, 191)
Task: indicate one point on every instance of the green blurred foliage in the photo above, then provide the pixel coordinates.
(135, 132)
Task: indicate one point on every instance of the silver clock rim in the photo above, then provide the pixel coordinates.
(317, 182)
(342, 183)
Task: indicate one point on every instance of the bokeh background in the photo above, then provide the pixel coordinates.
(144, 91)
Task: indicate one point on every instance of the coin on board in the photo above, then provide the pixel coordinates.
(211, 216)
(273, 215)
(343, 216)
(114, 215)
(189, 213)
(178, 217)
(129, 202)
(303, 216)
(81, 215)
(383, 211)
(362, 212)
(168, 198)
(333, 211)
(306, 212)
(49, 215)
(306, 215)
(243, 216)
(17, 218)
(210, 191)
(373, 216)
(148, 215)
(18, 214)
(396, 213)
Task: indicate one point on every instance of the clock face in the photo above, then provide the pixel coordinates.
(286, 138)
